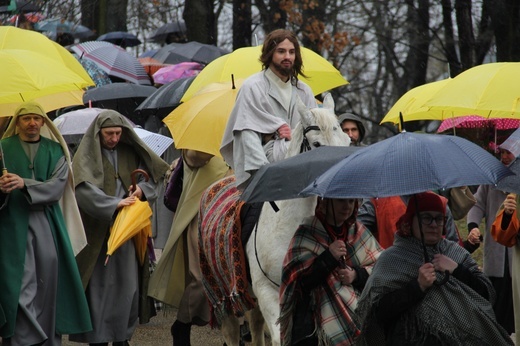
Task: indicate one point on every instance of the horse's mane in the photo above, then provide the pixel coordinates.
(327, 121)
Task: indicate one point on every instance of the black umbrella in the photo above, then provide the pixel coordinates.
(170, 32)
(285, 179)
(120, 38)
(165, 99)
(193, 51)
(122, 97)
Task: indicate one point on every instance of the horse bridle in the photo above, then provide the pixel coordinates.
(305, 146)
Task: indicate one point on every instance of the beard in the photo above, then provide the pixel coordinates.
(284, 71)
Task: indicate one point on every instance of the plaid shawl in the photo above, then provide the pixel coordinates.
(454, 313)
(222, 256)
(332, 302)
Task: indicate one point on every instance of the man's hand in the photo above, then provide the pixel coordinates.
(10, 182)
(126, 202)
(284, 131)
(510, 203)
(474, 236)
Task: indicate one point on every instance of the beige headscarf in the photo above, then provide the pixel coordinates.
(88, 153)
(68, 203)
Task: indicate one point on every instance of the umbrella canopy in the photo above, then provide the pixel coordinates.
(114, 60)
(475, 121)
(512, 143)
(21, 6)
(99, 76)
(120, 38)
(165, 99)
(205, 117)
(170, 73)
(409, 163)
(243, 62)
(16, 38)
(57, 26)
(150, 65)
(27, 75)
(193, 51)
(32, 17)
(411, 104)
(122, 97)
(489, 90)
(275, 181)
(73, 125)
(171, 32)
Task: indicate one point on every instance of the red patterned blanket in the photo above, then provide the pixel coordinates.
(222, 257)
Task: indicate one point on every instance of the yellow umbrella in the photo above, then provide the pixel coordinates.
(490, 90)
(243, 62)
(28, 75)
(411, 104)
(132, 221)
(199, 123)
(15, 38)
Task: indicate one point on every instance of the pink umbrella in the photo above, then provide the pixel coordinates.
(172, 72)
(475, 121)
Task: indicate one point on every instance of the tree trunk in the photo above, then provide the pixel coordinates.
(200, 21)
(242, 24)
(104, 16)
(505, 19)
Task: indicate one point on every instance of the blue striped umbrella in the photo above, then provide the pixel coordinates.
(406, 164)
(114, 60)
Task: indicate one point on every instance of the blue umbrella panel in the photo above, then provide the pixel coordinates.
(409, 163)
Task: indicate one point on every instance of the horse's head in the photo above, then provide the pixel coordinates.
(317, 127)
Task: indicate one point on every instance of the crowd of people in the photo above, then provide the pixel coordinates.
(386, 271)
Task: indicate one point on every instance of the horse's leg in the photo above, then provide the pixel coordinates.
(256, 325)
(268, 304)
(230, 329)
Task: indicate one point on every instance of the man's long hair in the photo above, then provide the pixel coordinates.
(271, 42)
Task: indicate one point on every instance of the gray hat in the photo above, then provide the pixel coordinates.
(357, 120)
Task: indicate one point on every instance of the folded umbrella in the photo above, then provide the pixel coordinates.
(132, 221)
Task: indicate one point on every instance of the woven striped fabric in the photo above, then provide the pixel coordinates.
(222, 257)
(114, 60)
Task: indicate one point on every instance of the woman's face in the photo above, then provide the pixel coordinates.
(432, 223)
(338, 211)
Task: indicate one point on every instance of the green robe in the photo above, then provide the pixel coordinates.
(72, 314)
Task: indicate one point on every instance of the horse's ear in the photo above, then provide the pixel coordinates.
(305, 113)
(328, 102)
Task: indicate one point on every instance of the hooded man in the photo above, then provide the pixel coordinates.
(104, 161)
(351, 124)
(40, 287)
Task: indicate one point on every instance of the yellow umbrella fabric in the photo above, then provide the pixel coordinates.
(132, 221)
(28, 75)
(489, 90)
(15, 38)
(411, 104)
(199, 123)
(243, 62)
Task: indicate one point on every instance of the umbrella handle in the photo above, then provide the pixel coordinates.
(134, 179)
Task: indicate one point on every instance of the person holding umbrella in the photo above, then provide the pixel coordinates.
(41, 296)
(103, 164)
(324, 271)
(265, 110)
(403, 302)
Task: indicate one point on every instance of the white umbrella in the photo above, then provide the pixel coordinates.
(73, 125)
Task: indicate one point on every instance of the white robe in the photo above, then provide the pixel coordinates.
(259, 109)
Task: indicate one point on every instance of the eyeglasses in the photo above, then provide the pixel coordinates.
(427, 219)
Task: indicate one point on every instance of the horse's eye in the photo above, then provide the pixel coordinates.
(316, 144)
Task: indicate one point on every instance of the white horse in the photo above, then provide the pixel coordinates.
(267, 246)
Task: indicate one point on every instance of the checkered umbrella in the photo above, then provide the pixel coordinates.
(406, 164)
(114, 60)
